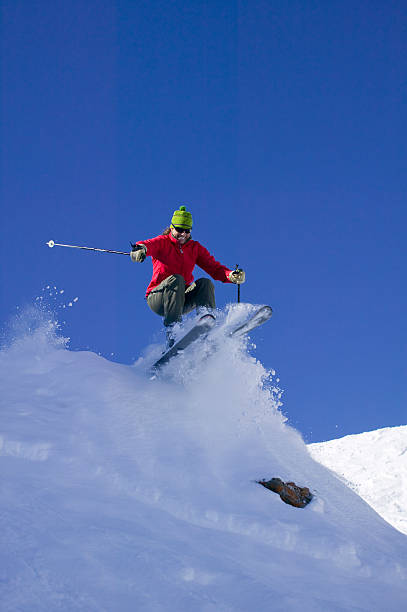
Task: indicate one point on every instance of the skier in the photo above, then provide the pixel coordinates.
(172, 291)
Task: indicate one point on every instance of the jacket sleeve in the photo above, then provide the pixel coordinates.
(154, 246)
(209, 264)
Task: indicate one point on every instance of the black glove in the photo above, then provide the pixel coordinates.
(138, 252)
(237, 276)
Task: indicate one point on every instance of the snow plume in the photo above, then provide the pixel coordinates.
(121, 491)
(33, 328)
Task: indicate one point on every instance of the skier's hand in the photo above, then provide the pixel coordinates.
(139, 254)
(237, 276)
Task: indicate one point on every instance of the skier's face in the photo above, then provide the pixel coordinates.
(180, 234)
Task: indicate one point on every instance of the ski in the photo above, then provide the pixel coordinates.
(262, 315)
(202, 327)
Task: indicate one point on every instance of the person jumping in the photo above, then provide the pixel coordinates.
(172, 291)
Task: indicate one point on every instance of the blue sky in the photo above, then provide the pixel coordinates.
(282, 125)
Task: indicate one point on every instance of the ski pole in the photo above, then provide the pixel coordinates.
(51, 244)
(238, 287)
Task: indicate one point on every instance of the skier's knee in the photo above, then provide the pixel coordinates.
(206, 284)
(175, 280)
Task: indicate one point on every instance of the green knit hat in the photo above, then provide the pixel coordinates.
(182, 218)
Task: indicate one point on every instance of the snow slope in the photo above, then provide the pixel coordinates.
(374, 464)
(121, 492)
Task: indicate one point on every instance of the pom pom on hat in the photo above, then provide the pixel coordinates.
(182, 218)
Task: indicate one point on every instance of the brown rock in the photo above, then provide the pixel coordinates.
(289, 492)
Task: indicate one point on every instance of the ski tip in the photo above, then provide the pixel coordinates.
(207, 319)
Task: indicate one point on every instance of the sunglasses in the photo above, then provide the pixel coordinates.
(181, 230)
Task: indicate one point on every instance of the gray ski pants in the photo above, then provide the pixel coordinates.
(169, 299)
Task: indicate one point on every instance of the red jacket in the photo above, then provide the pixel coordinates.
(169, 257)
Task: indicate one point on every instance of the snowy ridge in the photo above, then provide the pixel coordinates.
(121, 492)
(374, 464)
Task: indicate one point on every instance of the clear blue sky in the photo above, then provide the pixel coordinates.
(282, 125)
